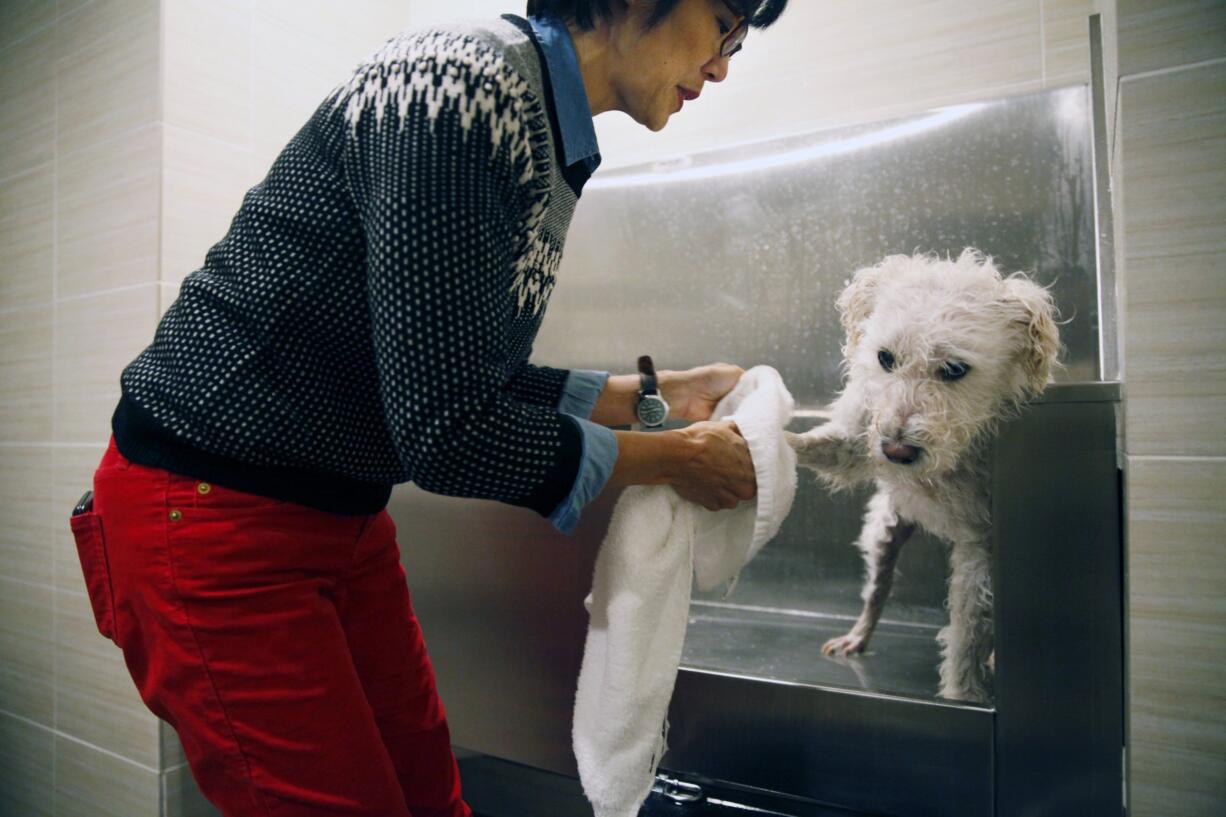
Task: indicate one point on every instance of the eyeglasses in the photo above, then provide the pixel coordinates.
(735, 38)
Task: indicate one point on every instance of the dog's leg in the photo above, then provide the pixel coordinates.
(967, 643)
(881, 540)
(838, 454)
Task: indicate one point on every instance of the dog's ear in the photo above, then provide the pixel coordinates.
(1031, 309)
(857, 300)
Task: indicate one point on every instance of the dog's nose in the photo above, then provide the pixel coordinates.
(900, 452)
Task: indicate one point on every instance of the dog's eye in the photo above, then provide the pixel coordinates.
(954, 370)
(886, 360)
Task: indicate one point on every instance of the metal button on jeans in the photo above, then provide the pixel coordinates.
(204, 488)
(176, 515)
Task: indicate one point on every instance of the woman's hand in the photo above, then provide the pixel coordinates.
(718, 472)
(693, 394)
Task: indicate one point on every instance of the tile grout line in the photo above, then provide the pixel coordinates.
(126, 135)
(86, 295)
(1042, 45)
(59, 17)
(55, 349)
(30, 34)
(1173, 69)
(77, 740)
(1112, 153)
(32, 169)
(53, 445)
(161, 188)
(1177, 457)
(208, 137)
(12, 310)
(157, 299)
(40, 586)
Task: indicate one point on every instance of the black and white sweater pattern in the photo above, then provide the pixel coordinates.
(368, 318)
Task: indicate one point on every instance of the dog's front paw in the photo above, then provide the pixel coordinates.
(839, 457)
(849, 644)
(822, 447)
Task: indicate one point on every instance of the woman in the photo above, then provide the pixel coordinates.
(366, 321)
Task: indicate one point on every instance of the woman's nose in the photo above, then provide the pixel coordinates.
(716, 70)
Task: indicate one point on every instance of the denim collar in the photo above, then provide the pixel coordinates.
(569, 96)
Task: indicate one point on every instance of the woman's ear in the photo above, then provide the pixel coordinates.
(1031, 308)
(857, 300)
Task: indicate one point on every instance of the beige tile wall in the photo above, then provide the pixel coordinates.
(1178, 526)
(1171, 214)
(26, 484)
(1156, 34)
(26, 776)
(26, 238)
(25, 373)
(95, 336)
(80, 144)
(1173, 133)
(106, 56)
(107, 213)
(20, 17)
(27, 110)
(27, 642)
(90, 783)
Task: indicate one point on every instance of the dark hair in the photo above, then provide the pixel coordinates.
(585, 13)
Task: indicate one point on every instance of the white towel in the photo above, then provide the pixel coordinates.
(640, 598)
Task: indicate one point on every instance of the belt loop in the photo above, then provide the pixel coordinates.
(363, 532)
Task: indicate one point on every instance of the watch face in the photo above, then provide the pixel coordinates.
(652, 410)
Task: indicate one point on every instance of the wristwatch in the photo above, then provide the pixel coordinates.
(651, 408)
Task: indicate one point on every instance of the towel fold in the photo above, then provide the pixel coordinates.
(640, 598)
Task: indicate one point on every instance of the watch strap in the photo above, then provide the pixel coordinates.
(647, 376)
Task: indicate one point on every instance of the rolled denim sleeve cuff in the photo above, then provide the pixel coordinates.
(595, 468)
(581, 391)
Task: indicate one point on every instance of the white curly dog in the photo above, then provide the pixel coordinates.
(937, 352)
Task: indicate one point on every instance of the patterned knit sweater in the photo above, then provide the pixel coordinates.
(368, 318)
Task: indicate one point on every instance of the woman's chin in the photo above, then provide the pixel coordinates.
(658, 121)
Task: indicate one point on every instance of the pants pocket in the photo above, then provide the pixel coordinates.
(91, 549)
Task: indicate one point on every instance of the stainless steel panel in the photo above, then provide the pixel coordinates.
(500, 597)
(1059, 602)
(874, 753)
(498, 788)
(739, 254)
(1108, 295)
(782, 644)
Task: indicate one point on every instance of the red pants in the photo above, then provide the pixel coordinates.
(278, 641)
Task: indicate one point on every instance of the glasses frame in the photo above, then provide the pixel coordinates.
(735, 38)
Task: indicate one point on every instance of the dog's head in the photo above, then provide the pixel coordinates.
(938, 349)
